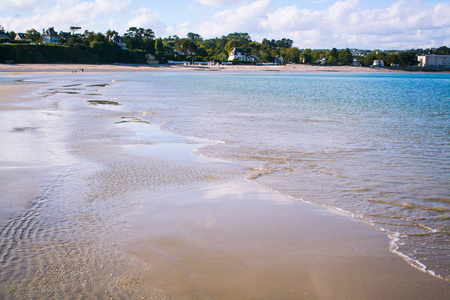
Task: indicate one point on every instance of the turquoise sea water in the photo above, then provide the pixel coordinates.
(374, 145)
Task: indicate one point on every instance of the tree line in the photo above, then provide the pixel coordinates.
(194, 48)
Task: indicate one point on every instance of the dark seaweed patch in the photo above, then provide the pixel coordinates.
(71, 85)
(22, 129)
(103, 102)
(100, 84)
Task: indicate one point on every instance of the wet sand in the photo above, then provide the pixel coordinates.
(239, 241)
(236, 240)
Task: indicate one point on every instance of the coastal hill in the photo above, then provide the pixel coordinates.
(102, 54)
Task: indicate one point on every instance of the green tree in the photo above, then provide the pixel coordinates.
(87, 37)
(334, 52)
(74, 40)
(222, 57)
(230, 45)
(241, 37)
(284, 43)
(407, 59)
(201, 51)
(140, 39)
(33, 35)
(306, 56)
(345, 57)
(368, 59)
(159, 47)
(266, 56)
(317, 54)
(392, 59)
(110, 33)
(442, 51)
(12, 34)
(99, 37)
(194, 37)
(187, 47)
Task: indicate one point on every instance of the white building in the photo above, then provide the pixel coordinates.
(237, 54)
(50, 36)
(118, 40)
(434, 60)
(378, 63)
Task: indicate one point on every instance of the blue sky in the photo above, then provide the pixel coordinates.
(366, 24)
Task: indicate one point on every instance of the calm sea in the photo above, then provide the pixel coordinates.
(374, 145)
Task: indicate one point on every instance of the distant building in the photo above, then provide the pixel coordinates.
(378, 63)
(118, 40)
(279, 60)
(50, 36)
(434, 60)
(237, 54)
(151, 59)
(321, 61)
(65, 34)
(252, 58)
(356, 63)
(3, 34)
(20, 36)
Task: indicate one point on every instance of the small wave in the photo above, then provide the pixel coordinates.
(410, 205)
(394, 248)
(132, 119)
(257, 172)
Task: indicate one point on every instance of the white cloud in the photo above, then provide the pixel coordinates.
(344, 23)
(405, 24)
(18, 5)
(245, 18)
(111, 5)
(180, 29)
(146, 18)
(219, 2)
(62, 14)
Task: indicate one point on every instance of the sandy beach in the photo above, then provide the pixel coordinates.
(202, 236)
(122, 67)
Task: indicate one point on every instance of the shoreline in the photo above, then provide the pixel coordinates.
(313, 252)
(236, 239)
(140, 68)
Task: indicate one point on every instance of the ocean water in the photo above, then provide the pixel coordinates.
(374, 145)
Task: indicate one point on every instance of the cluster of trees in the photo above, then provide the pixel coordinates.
(194, 48)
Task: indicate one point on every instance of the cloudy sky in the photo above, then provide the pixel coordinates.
(365, 24)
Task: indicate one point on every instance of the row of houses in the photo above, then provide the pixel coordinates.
(424, 61)
(50, 36)
(239, 54)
